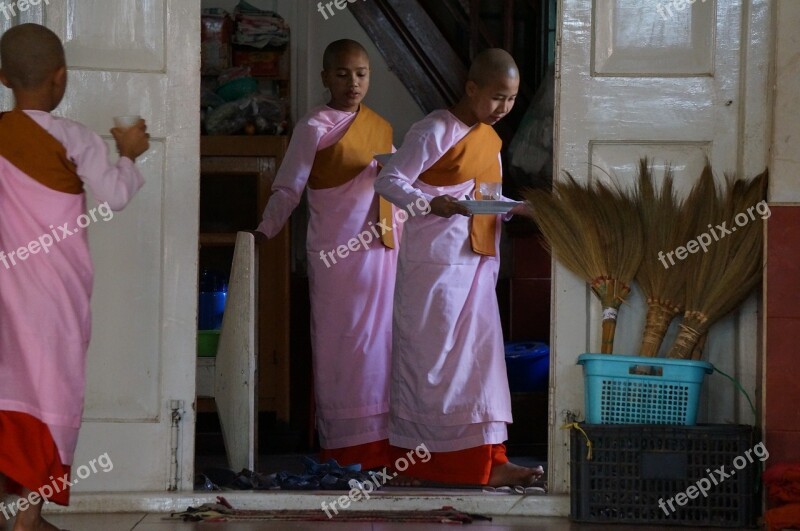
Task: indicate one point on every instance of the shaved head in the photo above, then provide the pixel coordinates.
(29, 54)
(336, 48)
(491, 64)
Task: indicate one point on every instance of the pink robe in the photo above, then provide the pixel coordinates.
(351, 299)
(45, 320)
(449, 382)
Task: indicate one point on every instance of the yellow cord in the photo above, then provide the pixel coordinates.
(588, 442)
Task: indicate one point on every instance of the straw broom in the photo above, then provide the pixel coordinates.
(596, 233)
(664, 226)
(721, 278)
(667, 224)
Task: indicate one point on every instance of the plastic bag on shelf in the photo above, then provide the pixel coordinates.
(260, 114)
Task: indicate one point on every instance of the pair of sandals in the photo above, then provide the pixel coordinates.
(323, 476)
(536, 489)
(217, 479)
(316, 476)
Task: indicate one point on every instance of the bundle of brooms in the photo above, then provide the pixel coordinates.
(607, 237)
(595, 231)
(664, 227)
(721, 277)
(667, 223)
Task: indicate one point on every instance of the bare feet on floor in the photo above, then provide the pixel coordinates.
(511, 474)
(40, 525)
(26, 521)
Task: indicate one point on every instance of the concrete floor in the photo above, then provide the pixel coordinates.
(156, 522)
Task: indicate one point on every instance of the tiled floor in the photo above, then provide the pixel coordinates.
(156, 522)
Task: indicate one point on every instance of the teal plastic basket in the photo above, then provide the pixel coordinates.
(616, 392)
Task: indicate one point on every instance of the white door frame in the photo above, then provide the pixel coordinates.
(575, 321)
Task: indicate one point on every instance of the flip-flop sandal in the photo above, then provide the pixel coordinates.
(505, 489)
(314, 468)
(334, 481)
(222, 477)
(201, 483)
(535, 489)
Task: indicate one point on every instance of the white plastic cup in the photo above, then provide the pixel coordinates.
(126, 122)
(491, 191)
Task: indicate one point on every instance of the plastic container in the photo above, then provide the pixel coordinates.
(207, 343)
(211, 300)
(636, 471)
(615, 392)
(238, 88)
(528, 366)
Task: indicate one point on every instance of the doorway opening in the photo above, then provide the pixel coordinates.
(285, 436)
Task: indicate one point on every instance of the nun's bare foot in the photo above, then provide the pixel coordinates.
(33, 524)
(511, 474)
(30, 519)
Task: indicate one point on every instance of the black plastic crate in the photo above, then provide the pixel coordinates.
(634, 468)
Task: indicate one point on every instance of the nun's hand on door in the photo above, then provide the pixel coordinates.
(132, 141)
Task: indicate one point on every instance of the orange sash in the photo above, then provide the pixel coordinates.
(474, 157)
(37, 153)
(368, 135)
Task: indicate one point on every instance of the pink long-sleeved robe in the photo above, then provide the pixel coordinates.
(449, 382)
(351, 296)
(45, 320)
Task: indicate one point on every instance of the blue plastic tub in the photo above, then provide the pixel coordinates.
(528, 366)
(615, 393)
(211, 300)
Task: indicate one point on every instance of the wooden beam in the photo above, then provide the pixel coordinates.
(475, 28)
(415, 50)
(508, 26)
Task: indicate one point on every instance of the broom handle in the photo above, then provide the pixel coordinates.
(609, 330)
(697, 353)
(658, 319)
(684, 343)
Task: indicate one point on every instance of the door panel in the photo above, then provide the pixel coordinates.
(118, 35)
(142, 355)
(632, 41)
(680, 89)
(124, 93)
(127, 314)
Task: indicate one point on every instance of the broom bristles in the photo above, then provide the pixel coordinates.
(668, 224)
(595, 232)
(724, 275)
(665, 223)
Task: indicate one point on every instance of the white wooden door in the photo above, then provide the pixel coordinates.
(138, 57)
(678, 85)
(236, 367)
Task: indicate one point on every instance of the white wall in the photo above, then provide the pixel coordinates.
(311, 33)
(785, 156)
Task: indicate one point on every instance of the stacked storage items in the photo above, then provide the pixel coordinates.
(640, 458)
